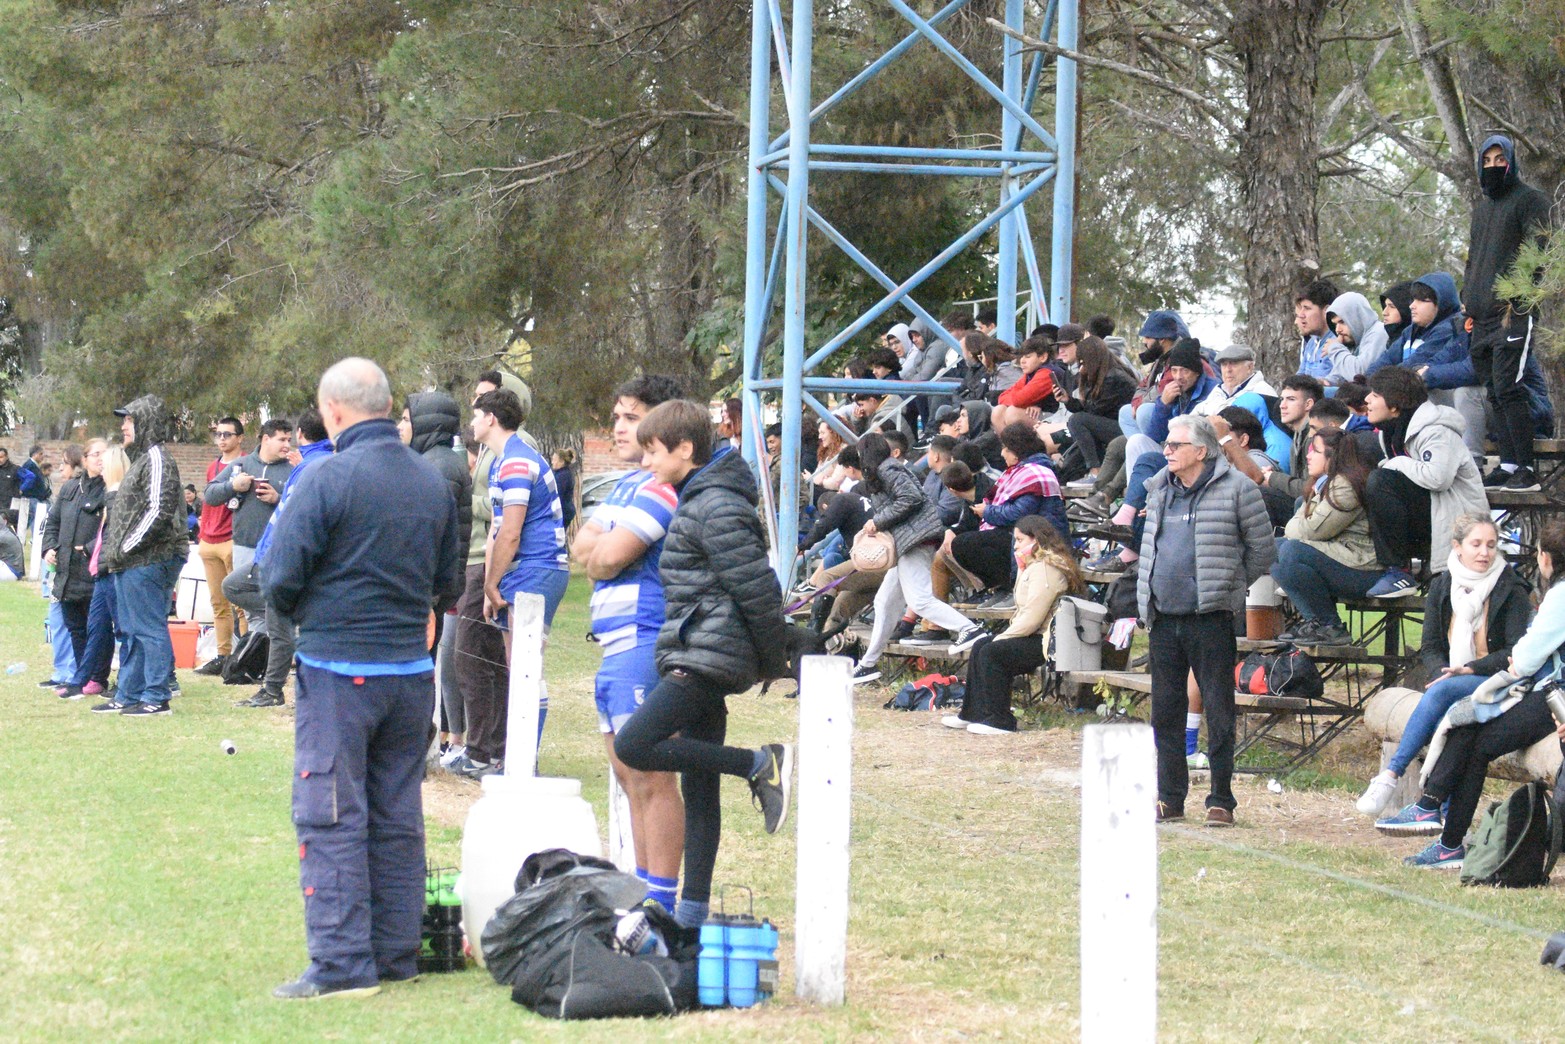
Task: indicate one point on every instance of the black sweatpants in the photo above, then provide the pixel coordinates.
(1464, 761)
(1092, 433)
(986, 553)
(680, 728)
(1499, 348)
(1398, 510)
(1203, 643)
(75, 616)
(994, 665)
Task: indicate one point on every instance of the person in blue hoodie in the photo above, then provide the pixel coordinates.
(1509, 214)
(1434, 346)
(368, 544)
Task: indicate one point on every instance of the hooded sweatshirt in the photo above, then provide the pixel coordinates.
(437, 423)
(1369, 338)
(1506, 216)
(1401, 295)
(1442, 345)
(147, 524)
(1435, 457)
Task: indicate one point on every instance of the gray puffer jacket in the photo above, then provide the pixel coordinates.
(901, 509)
(1234, 543)
(723, 605)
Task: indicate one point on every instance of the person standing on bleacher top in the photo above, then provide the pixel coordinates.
(1204, 521)
(1425, 481)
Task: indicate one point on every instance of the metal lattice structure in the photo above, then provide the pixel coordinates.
(1028, 158)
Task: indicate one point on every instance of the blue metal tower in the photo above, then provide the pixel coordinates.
(1028, 158)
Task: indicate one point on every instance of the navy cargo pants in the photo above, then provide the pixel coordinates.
(359, 748)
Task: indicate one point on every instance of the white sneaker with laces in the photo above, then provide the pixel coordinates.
(449, 757)
(978, 728)
(951, 721)
(1377, 794)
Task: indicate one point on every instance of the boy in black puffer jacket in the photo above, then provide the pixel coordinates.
(723, 632)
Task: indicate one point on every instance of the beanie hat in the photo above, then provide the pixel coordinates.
(1186, 353)
(1164, 324)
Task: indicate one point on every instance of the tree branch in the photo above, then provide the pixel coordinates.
(1224, 119)
(1442, 89)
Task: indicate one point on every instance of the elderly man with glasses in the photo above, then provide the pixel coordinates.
(1207, 539)
(215, 542)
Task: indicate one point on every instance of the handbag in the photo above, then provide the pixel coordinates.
(872, 551)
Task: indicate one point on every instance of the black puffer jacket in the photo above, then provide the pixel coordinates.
(724, 608)
(437, 420)
(1510, 611)
(69, 533)
(148, 524)
(901, 509)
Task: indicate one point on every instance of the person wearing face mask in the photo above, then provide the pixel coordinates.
(1509, 213)
(1394, 314)
(1161, 331)
(1476, 610)
(1434, 345)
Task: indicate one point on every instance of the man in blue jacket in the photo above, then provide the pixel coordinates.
(368, 544)
(1434, 345)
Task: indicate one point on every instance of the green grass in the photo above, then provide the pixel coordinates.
(149, 891)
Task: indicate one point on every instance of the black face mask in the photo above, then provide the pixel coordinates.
(1492, 180)
(1152, 354)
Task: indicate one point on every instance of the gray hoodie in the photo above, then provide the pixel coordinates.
(251, 513)
(1438, 460)
(1369, 338)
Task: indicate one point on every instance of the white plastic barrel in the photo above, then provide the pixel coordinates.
(515, 817)
(192, 599)
(1079, 627)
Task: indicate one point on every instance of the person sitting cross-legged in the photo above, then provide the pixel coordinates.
(1475, 612)
(1327, 553)
(1048, 571)
(1502, 715)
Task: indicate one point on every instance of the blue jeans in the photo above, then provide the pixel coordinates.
(1145, 466)
(834, 550)
(102, 634)
(144, 594)
(1313, 581)
(1421, 726)
(1135, 421)
(60, 642)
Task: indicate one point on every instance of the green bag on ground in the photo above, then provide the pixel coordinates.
(1516, 842)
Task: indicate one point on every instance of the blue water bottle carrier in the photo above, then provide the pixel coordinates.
(738, 963)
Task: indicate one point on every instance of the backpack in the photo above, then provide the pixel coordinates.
(1119, 596)
(1286, 673)
(1516, 842)
(930, 693)
(247, 665)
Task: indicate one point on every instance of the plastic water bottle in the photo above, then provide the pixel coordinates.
(16, 668)
(635, 934)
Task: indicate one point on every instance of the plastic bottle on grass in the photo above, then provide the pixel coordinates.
(16, 668)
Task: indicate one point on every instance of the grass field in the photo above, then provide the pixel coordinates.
(149, 890)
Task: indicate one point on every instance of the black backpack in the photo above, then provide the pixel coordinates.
(1516, 842)
(1286, 673)
(247, 665)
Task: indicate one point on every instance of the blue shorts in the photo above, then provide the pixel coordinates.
(623, 683)
(550, 583)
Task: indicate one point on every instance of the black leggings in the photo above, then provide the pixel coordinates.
(989, 675)
(1464, 761)
(1398, 510)
(986, 553)
(1092, 433)
(680, 728)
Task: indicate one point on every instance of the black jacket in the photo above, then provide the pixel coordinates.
(10, 485)
(367, 546)
(1117, 390)
(1502, 222)
(437, 421)
(722, 602)
(901, 508)
(1510, 611)
(844, 512)
(69, 533)
(148, 522)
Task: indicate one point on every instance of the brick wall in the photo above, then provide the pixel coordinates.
(191, 458)
(597, 453)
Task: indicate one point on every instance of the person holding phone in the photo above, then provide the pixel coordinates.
(251, 487)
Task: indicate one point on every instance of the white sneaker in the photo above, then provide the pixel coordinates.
(978, 728)
(1198, 760)
(951, 721)
(1377, 794)
(449, 757)
(1085, 482)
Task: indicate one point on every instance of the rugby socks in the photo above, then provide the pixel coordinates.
(1192, 733)
(662, 890)
(691, 914)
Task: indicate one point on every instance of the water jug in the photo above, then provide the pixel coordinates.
(737, 967)
(515, 817)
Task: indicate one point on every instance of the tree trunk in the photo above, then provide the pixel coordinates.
(1278, 41)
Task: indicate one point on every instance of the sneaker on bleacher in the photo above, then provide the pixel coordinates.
(1522, 480)
(1108, 562)
(1393, 584)
(970, 636)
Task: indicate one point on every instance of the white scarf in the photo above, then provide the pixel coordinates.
(1469, 593)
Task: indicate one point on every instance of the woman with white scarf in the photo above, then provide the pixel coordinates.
(1475, 612)
(1507, 713)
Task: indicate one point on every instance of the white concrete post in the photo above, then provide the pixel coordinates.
(622, 842)
(521, 721)
(824, 796)
(1118, 884)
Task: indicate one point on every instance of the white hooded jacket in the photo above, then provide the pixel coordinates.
(1369, 338)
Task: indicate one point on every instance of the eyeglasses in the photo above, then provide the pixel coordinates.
(1172, 445)
(224, 434)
